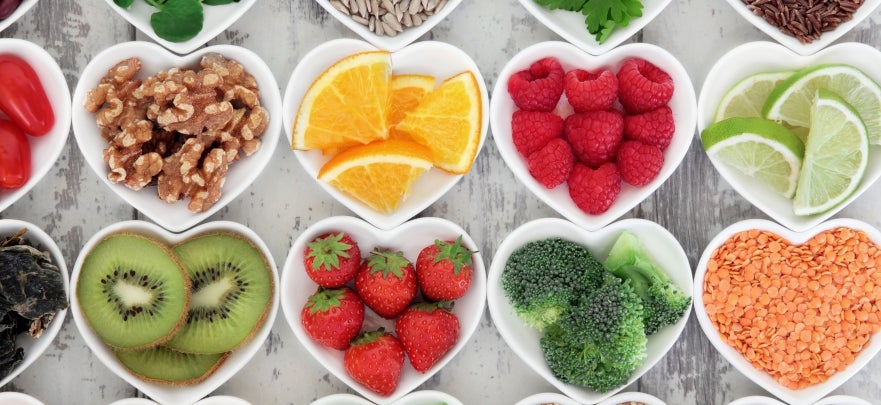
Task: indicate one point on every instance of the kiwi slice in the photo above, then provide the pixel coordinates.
(163, 365)
(133, 291)
(232, 292)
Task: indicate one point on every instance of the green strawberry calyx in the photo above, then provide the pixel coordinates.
(455, 252)
(325, 299)
(387, 262)
(369, 337)
(327, 251)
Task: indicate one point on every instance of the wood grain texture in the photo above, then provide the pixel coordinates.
(72, 203)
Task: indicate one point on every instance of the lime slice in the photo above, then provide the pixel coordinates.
(748, 96)
(759, 148)
(791, 101)
(836, 155)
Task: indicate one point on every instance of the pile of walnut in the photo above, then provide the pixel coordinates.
(179, 129)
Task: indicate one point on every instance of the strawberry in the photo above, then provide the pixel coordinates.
(333, 317)
(444, 270)
(427, 331)
(332, 259)
(386, 282)
(375, 359)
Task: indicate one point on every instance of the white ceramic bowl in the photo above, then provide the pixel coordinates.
(341, 399)
(18, 398)
(135, 401)
(428, 57)
(793, 43)
(547, 398)
(805, 395)
(33, 348)
(428, 397)
(640, 397)
(408, 238)
(164, 393)
(524, 341)
(756, 400)
(22, 9)
(832, 400)
(755, 57)
(386, 42)
(682, 104)
(45, 149)
(175, 217)
(570, 25)
(217, 19)
(222, 400)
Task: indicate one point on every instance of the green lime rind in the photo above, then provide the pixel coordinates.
(759, 148)
(747, 97)
(791, 101)
(836, 155)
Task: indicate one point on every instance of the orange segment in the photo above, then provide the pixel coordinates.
(346, 105)
(379, 174)
(407, 92)
(448, 122)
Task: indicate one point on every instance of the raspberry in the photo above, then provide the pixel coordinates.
(538, 88)
(655, 127)
(591, 91)
(552, 164)
(531, 130)
(594, 191)
(639, 163)
(594, 135)
(643, 86)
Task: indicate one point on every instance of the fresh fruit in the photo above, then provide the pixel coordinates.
(232, 287)
(836, 155)
(594, 135)
(539, 87)
(15, 156)
(22, 96)
(642, 86)
(551, 165)
(638, 163)
(386, 282)
(346, 105)
(762, 149)
(532, 130)
(748, 96)
(588, 91)
(448, 121)
(443, 270)
(133, 291)
(379, 174)
(427, 331)
(655, 127)
(333, 317)
(165, 366)
(791, 101)
(407, 91)
(375, 359)
(332, 260)
(594, 191)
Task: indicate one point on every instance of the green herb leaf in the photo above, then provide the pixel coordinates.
(123, 3)
(179, 20)
(571, 5)
(218, 2)
(601, 16)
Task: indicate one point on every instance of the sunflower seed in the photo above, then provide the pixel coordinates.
(389, 17)
(415, 6)
(407, 20)
(337, 4)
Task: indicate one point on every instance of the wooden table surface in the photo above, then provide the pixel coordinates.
(71, 203)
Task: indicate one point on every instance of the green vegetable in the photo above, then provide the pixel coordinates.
(543, 279)
(177, 20)
(664, 302)
(601, 16)
(601, 341)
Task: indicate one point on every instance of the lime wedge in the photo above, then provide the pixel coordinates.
(748, 96)
(791, 101)
(836, 155)
(759, 148)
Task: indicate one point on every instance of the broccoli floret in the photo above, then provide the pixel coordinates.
(601, 341)
(543, 278)
(664, 301)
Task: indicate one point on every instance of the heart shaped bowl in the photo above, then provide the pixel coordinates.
(633, 397)
(793, 43)
(33, 348)
(756, 400)
(832, 400)
(22, 9)
(570, 25)
(502, 108)
(217, 19)
(524, 341)
(756, 57)
(45, 149)
(408, 238)
(398, 41)
(434, 58)
(174, 217)
(165, 393)
(341, 399)
(811, 393)
(547, 398)
(18, 398)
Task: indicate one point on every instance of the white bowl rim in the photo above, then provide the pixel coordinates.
(22, 9)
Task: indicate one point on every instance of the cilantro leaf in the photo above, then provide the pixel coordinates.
(178, 20)
(571, 5)
(601, 16)
(123, 3)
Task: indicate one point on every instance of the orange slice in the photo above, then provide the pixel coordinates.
(379, 174)
(407, 92)
(448, 122)
(346, 105)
